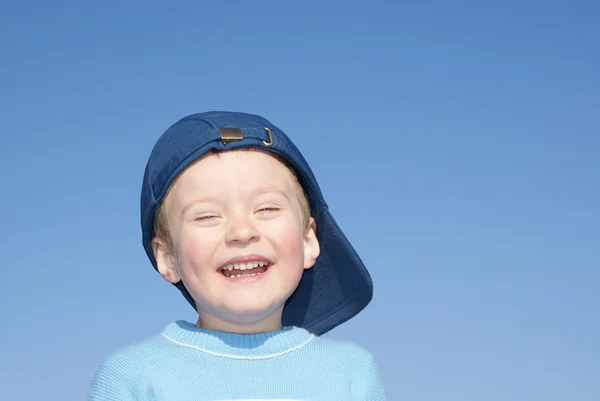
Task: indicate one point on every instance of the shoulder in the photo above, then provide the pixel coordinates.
(347, 356)
(139, 355)
(126, 373)
(357, 363)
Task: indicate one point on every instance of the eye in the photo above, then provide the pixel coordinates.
(205, 218)
(267, 211)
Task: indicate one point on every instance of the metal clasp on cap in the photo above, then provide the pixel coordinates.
(230, 135)
(235, 135)
(270, 141)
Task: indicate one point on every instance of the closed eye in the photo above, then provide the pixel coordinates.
(205, 217)
(268, 211)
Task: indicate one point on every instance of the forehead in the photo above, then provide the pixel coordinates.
(231, 172)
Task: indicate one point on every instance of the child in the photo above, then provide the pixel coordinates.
(232, 215)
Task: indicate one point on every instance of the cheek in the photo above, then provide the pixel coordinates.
(290, 243)
(194, 251)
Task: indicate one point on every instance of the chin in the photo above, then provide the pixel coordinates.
(251, 313)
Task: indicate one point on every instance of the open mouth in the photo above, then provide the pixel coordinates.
(245, 269)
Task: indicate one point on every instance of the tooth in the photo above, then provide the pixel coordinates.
(229, 267)
(236, 266)
(255, 264)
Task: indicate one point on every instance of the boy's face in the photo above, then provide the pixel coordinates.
(240, 210)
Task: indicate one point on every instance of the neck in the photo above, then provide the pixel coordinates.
(210, 322)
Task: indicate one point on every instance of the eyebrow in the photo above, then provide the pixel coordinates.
(262, 191)
(192, 203)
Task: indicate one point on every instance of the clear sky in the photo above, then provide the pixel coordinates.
(457, 144)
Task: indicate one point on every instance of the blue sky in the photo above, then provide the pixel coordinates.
(456, 144)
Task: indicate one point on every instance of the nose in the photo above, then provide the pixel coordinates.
(242, 231)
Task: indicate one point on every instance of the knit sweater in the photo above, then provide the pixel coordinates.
(187, 363)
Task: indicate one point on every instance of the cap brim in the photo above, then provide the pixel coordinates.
(333, 291)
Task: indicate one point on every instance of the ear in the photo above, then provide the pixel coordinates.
(311, 244)
(165, 261)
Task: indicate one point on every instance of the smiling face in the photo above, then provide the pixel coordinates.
(238, 239)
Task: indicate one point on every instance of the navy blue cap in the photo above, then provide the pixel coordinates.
(338, 286)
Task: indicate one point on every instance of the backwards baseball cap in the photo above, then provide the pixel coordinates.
(338, 286)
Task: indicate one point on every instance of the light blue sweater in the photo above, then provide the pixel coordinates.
(186, 363)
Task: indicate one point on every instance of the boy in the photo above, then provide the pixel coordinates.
(232, 215)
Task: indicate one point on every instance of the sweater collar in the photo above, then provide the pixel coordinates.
(238, 346)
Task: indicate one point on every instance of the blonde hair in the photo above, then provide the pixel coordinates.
(161, 221)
